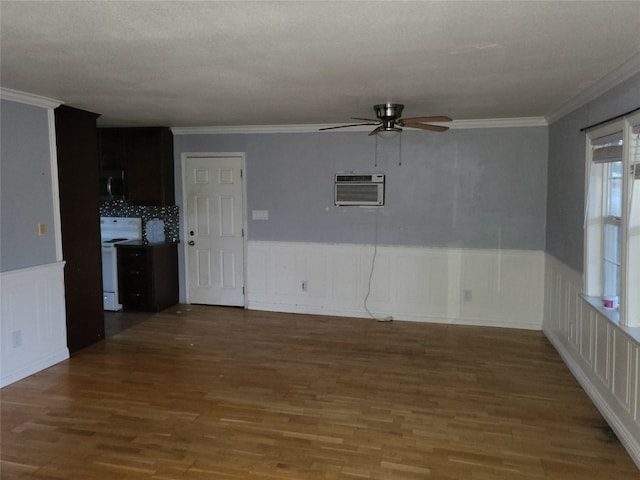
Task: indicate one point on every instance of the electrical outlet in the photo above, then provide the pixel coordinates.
(304, 285)
(468, 295)
(42, 229)
(16, 338)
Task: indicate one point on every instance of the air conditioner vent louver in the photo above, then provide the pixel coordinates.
(354, 178)
(359, 189)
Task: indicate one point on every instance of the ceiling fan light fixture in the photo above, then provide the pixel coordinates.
(389, 132)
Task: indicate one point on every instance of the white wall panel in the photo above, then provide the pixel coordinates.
(438, 284)
(257, 269)
(587, 325)
(383, 277)
(314, 273)
(345, 281)
(603, 351)
(412, 282)
(285, 278)
(33, 327)
(516, 277)
(621, 368)
(612, 378)
(480, 276)
(409, 283)
(573, 305)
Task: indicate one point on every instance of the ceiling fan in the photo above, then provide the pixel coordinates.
(388, 120)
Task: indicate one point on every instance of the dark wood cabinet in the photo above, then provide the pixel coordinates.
(77, 152)
(146, 156)
(148, 276)
(111, 148)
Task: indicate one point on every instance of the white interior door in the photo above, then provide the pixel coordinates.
(214, 230)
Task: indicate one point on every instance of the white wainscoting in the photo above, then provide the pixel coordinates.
(603, 357)
(33, 323)
(506, 287)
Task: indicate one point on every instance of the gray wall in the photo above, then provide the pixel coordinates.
(565, 184)
(25, 187)
(475, 188)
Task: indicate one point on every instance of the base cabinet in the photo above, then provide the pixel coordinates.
(148, 276)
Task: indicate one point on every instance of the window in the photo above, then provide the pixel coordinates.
(612, 237)
(612, 219)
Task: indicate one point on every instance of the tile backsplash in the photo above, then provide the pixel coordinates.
(170, 216)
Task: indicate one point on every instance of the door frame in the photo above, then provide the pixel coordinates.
(183, 214)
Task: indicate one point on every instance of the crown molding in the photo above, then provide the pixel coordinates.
(247, 129)
(28, 98)
(515, 122)
(315, 128)
(616, 76)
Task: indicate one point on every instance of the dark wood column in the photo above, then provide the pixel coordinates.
(77, 150)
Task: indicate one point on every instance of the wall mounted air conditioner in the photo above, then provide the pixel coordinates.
(359, 189)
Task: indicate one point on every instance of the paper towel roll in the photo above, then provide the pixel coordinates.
(155, 231)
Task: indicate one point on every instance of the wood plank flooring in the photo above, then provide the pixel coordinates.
(200, 392)
(116, 322)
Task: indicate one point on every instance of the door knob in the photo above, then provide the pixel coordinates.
(191, 242)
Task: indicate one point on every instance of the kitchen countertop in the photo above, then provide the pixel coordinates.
(142, 243)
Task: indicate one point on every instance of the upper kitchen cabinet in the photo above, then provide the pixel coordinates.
(146, 156)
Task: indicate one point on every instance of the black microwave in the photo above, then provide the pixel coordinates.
(112, 185)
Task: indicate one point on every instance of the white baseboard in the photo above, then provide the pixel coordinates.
(34, 367)
(303, 309)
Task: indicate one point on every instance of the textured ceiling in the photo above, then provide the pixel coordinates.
(282, 63)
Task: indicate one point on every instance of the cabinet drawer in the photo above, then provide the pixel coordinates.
(135, 299)
(133, 273)
(132, 258)
(133, 282)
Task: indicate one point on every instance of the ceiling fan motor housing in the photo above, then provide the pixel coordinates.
(388, 111)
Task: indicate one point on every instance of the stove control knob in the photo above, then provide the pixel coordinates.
(191, 242)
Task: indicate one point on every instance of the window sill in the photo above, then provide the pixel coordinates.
(613, 315)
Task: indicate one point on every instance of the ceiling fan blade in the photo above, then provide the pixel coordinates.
(376, 130)
(438, 118)
(426, 126)
(345, 126)
(365, 119)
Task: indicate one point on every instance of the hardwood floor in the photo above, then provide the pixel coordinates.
(116, 322)
(222, 393)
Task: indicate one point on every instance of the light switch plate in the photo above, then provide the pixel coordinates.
(260, 214)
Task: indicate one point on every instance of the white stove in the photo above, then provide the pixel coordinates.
(114, 230)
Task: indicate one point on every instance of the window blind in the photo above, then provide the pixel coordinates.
(607, 149)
